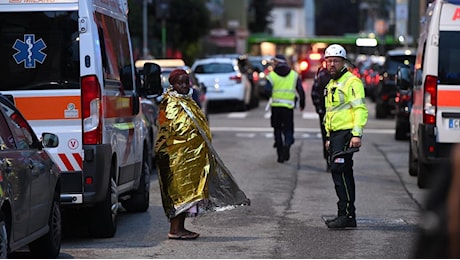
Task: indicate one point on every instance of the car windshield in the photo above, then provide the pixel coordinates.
(212, 68)
(449, 51)
(394, 62)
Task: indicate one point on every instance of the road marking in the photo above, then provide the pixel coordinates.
(269, 129)
(237, 115)
(309, 115)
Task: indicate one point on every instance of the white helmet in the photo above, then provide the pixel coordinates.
(335, 50)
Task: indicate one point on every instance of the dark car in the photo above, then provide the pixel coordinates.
(262, 65)
(403, 103)
(386, 90)
(29, 188)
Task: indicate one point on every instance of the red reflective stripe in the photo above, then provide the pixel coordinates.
(66, 162)
(78, 158)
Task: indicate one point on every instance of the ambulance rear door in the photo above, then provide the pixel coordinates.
(448, 94)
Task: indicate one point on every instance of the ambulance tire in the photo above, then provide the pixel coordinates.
(103, 219)
(49, 245)
(413, 168)
(423, 176)
(139, 201)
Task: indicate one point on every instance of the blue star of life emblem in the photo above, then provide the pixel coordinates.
(29, 51)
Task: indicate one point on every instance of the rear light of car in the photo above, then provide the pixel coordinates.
(91, 110)
(303, 66)
(236, 78)
(430, 100)
(255, 76)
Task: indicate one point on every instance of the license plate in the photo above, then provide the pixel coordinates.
(454, 123)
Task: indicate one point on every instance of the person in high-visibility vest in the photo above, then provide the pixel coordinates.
(346, 116)
(285, 84)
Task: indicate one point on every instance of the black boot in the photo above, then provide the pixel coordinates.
(286, 152)
(279, 151)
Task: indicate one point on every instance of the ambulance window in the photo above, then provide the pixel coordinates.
(449, 62)
(40, 50)
(116, 50)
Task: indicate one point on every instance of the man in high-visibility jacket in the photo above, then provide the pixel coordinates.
(285, 83)
(346, 116)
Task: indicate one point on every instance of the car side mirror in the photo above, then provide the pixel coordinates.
(152, 80)
(50, 140)
(403, 78)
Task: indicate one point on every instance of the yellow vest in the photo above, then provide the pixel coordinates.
(283, 91)
(345, 106)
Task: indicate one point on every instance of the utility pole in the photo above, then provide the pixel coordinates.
(145, 50)
(162, 12)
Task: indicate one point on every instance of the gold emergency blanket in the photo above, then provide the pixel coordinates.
(190, 172)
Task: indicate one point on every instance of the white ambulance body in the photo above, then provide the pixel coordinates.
(435, 115)
(68, 65)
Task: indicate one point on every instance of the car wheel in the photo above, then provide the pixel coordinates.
(400, 132)
(49, 245)
(103, 220)
(413, 165)
(139, 201)
(3, 238)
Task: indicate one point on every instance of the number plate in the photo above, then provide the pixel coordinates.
(454, 123)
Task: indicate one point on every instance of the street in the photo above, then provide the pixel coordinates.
(288, 200)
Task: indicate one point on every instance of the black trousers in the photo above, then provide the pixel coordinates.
(282, 121)
(342, 172)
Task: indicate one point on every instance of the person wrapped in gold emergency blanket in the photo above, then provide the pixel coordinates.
(192, 177)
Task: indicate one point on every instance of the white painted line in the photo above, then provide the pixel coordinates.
(310, 115)
(237, 115)
(269, 129)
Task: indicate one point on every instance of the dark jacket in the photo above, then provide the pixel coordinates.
(322, 77)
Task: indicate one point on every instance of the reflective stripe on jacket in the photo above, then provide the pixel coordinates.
(345, 106)
(283, 92)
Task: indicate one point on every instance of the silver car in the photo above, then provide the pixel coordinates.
(224, 81)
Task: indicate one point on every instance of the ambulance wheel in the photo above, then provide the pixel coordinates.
(139, 201)
(424, 174)
(103, 220)
(413, 167)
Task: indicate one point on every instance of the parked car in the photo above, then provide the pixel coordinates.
(386, 90)
(246, 68)
(403, 103)
(224, 81)
(262, 66)
(29, 187)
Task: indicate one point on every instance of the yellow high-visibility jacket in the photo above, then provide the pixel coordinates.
(284, 89)
(345, 105)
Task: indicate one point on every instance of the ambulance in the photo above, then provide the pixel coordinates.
(435, 114)
(68, 66)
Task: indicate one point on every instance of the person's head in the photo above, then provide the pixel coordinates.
(179, 80)
(279, 59)
(335, 56)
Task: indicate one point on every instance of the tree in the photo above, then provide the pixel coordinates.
(188, 22)
(260, 15)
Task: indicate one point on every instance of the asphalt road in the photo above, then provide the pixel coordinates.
(288, 201)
